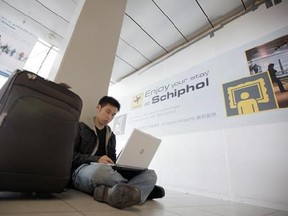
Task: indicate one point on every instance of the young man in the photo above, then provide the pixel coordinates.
(94, 149)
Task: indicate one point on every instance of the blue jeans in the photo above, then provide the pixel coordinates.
(86, 178)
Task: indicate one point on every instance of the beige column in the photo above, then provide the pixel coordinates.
(88, 61)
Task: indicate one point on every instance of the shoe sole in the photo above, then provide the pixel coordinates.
(123, 196)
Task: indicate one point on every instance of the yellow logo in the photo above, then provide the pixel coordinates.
(137, 101)
(249, 95)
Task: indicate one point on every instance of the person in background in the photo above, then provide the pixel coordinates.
(272, 73)
(95, 149)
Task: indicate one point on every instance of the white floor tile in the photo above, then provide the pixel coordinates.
(189, 211)
(75, 203)
(279, 213)
(234, 209)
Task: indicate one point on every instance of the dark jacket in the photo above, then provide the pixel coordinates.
(87, 143)
(272, 72)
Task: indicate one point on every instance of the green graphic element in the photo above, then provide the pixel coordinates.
(119, 124)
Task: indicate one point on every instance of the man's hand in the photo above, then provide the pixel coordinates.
(105, 160)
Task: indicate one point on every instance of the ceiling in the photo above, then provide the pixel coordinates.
(152, 29)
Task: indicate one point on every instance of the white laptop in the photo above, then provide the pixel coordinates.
(138, 151)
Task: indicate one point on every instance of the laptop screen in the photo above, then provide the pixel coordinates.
(139, 150)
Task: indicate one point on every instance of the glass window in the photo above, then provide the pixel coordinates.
(3, 79)
(41, 58)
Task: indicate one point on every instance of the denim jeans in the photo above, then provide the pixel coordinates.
(86, 178)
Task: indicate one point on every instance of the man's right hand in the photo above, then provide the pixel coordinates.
(105, 160)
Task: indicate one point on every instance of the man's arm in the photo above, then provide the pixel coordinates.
(79, 157)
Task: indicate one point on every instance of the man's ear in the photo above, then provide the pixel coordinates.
(98, 107)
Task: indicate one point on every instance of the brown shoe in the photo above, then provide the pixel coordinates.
(120, 196)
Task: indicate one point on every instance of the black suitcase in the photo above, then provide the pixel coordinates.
(38, 125)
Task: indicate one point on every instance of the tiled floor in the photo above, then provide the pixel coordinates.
(74, 203)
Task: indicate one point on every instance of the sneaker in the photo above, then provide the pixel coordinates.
(157, 192)
(119, 196)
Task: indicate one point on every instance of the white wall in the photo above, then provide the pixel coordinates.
(242, 164)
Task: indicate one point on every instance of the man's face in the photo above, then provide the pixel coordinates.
(106, 113)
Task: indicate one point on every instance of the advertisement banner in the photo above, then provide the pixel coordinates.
(16, 44)
(202, 98)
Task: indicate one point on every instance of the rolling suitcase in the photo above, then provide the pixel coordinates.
(38, 125)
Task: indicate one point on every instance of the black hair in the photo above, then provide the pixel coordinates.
(109, 100)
